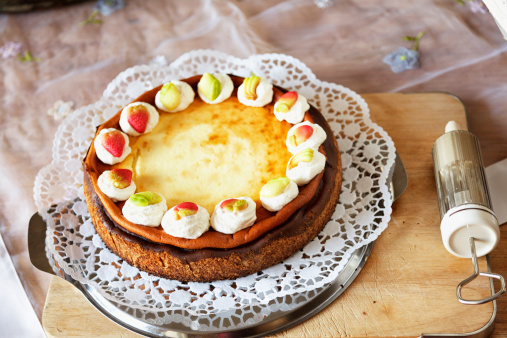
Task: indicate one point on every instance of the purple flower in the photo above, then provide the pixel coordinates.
(402, 59)
(477, 6)
(10, 49)
(108, 7)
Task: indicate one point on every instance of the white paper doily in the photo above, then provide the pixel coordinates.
(362, 213)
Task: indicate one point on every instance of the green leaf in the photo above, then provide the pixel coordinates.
(91, 19)
(416, 39)
(27, 57)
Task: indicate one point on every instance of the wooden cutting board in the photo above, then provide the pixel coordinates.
(408, 285)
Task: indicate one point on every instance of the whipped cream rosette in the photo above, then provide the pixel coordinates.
(305, 165)
(255, 91)
(174, 96)
(277, 193)
(234, 214)
(117, 184)
(215, 88)
(145, 208)
(291, 107)
(186, 220)
(138, 118)
(111, 146)
(305, 135)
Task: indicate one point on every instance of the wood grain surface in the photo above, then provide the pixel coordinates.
(408, 285)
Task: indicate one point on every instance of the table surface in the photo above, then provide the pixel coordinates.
(343, 44)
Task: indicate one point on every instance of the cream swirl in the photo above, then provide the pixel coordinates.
(115, 194)
(103, 154)
(125, 125)
(304, 172)
(314, 141)
(150, 215)
(264, 93)
(227, 88)
(276, 203)
(190, 227)
(186, 97)
(229, 222)
(296, 112)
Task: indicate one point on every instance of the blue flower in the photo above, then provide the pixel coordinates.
(402, 59)
(108, 7)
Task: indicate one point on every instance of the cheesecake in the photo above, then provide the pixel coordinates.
(219, 159)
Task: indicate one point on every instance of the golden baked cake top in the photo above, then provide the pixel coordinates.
(208, 153)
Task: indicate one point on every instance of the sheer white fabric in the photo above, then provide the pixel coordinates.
(462, 52)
